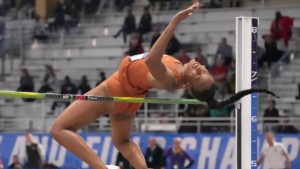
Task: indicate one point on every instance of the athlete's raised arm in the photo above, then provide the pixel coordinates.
(157, 69)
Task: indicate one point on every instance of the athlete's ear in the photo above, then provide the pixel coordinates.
(188, 86)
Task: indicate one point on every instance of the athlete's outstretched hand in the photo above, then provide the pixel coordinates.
(182, 15)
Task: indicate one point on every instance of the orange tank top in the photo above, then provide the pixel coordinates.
(133, 72)
(171, 62)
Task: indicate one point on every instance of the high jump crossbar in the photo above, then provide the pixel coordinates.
(56, 96)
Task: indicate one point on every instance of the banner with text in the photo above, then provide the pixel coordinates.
(210, 151)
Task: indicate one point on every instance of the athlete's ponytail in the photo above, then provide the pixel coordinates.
(207, 95)
(214, 104)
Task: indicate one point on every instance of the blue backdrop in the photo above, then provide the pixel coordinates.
(210, 151)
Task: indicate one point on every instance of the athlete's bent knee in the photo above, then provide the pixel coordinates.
(55, 130)
(120, 144)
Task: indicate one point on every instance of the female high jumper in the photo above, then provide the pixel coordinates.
(137, 74)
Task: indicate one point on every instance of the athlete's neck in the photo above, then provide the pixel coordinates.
(180, 68)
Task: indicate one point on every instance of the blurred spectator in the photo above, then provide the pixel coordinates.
(173, 46)
(222, 126)
(231, 3)
(2, 35)
(286, 127)
(281, 28)
(272, 53)
(152, 4)
(39, 31)
(275, 154)
(155, 36)
(235, 3)
(183, 57)
(128, 25)
(26, 84)
(1, 163)
(68, 5)
(48, 80)
(225, 51)
(72, 19)
(186, 95)
(175, 4)
(260, 52)
(231, 82)
(298, 97)
(224, 112)
(201, 111)
(215, 4)
(59, 19)
(35, 153)
(91, 6)
(84, 87)
(270, 112)
(49, 166)
(231, 70)
(103, 3)
(124, 3)
(102, 78)
(4, 7)
(154, 155)
(145, 25)
(67, 88)
(19, 3)
(219, 73)
(16, 163)
(122, 162)
(200, 58)
(177, 156)
(185, 126)
(135, 44)
(226, 92)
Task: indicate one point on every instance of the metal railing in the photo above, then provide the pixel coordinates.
(33, 116)
(14, 40)
(38, 113)
(14, 48)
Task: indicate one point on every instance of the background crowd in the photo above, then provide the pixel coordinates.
(221, 65)
(136, 34)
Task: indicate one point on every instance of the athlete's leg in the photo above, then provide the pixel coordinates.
(121, 130)
(77, 115)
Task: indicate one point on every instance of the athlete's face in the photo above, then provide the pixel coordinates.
(197, 76)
